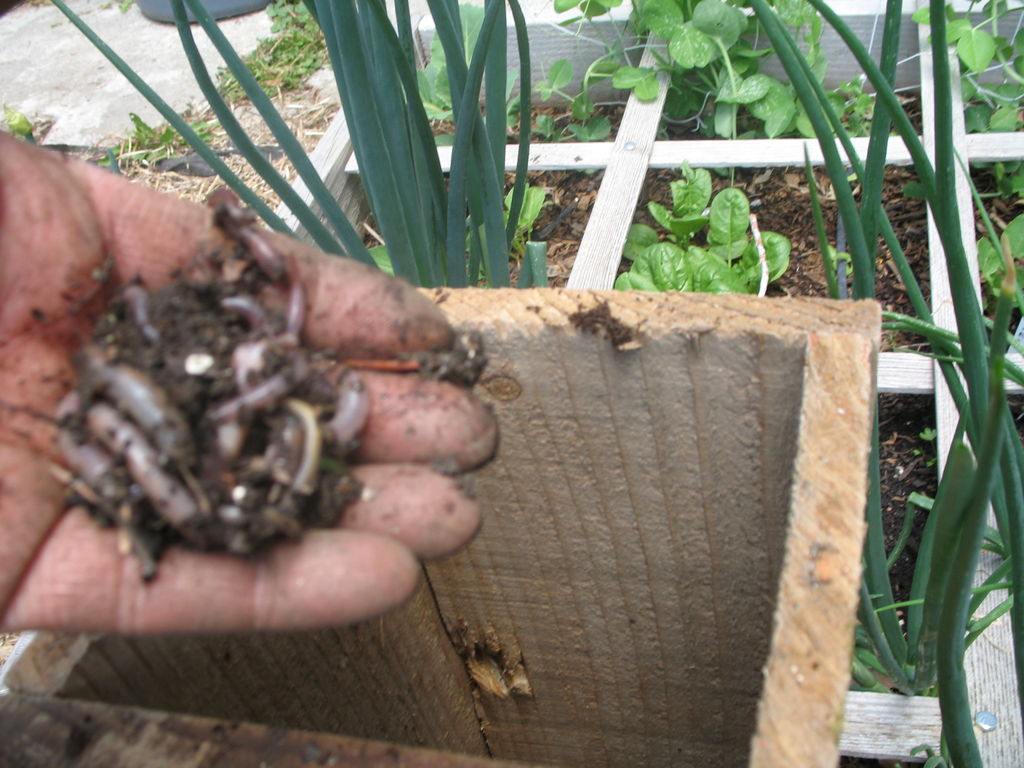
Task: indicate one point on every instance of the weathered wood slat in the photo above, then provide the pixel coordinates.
(738, 153)
(911, 374)
(888, 727)
(612, 214)
(609, 576)
(340, 681)
(43, 732)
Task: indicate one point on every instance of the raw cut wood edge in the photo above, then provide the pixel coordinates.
(800, 714)
(46, 662)
(650, 314)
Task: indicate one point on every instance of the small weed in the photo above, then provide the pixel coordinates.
(284, 61)
(147, 144)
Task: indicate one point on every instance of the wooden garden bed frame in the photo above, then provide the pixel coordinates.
(877, 725)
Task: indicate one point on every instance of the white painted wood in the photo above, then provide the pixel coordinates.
(911, 374)
(888, 726)
(988, 663)
(601, 247)
(719, 153)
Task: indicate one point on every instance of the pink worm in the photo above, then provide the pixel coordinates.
(171, 499)
(352, 409)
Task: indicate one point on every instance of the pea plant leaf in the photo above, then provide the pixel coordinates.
(559, 76)
(642, 80)
(716, 19)
(976, 49)
(776, 109)
(661, 17)
(690, 48)
(745, 90)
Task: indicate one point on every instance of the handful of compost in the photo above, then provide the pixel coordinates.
(199, 418)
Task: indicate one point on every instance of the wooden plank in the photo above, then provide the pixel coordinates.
(911, 374)
(42, 732)
(396, 678)
(887, 726)
(989, 665)
(616, 577)
(829, 466)
(612, 214)
(718, 153)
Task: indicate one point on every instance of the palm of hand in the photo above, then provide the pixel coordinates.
(64, 230)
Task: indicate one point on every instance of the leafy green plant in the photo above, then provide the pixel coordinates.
(713, 65)
(147, 144)
(924, 653)
(990, 257)
(434, 87)
(284, 61)
(19, 124)
(583, 124)
(992, 66)
(534, 201)
(729, 261)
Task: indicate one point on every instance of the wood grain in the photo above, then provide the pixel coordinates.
(42, 732)
(638, 524)
(888, 727)
(342, 680)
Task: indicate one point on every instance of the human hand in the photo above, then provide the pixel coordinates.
(68, 233)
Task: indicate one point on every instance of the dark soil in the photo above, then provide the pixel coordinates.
(174, 442)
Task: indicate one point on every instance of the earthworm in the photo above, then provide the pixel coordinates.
(249, 308)
(263, 395)
(248, 361)
(304, 479)
(268, 257)
(296, 308)
(285, 449)
(90, 462)
(232, 218)
(146, 403)
(169, 497)
(137, 299)
(230, 439)
(352, 409)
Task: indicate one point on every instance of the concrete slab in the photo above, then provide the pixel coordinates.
(48, 69)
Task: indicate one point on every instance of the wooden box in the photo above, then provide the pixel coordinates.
(667, 574)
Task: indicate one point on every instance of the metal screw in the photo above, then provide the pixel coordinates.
(987, 721)
(629, 146)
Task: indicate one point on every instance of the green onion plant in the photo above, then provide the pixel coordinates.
(438, 228)
(924, 655)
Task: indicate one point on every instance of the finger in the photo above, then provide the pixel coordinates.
(429, 513)
(417, 421)
(359, 310)
(79, 581)
(150, 235)
(31, 501)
